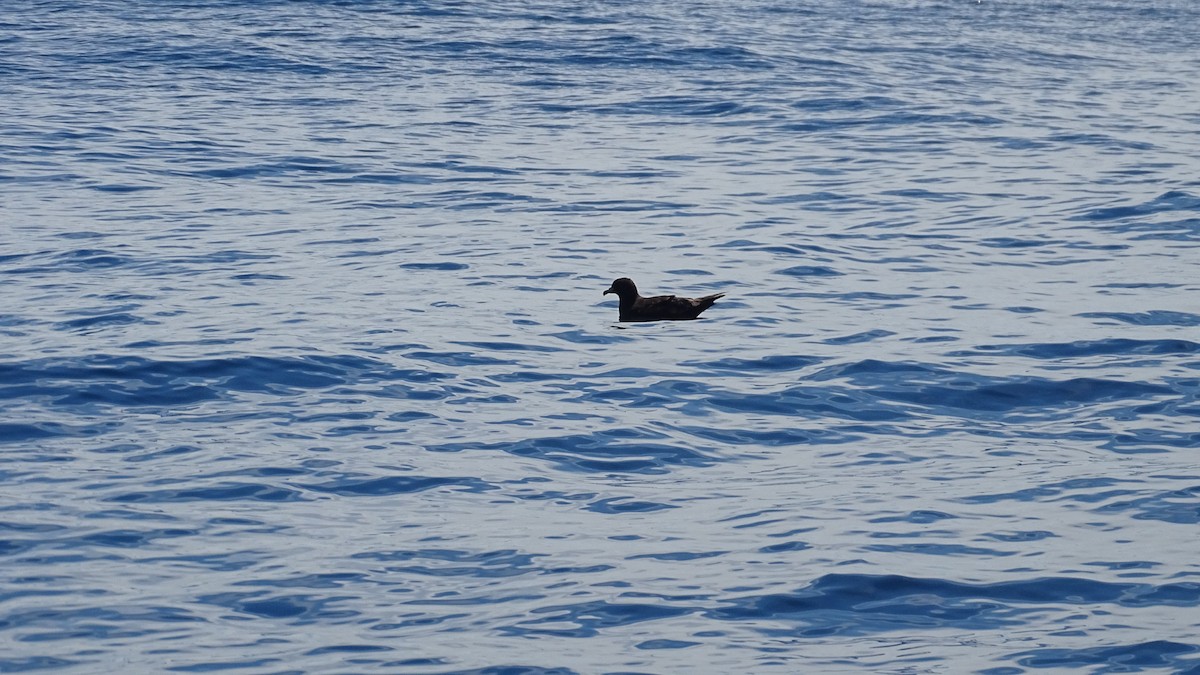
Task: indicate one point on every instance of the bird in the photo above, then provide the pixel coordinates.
(658, 308)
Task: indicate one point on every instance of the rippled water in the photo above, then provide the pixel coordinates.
(305, 367)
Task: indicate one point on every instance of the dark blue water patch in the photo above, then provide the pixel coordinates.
(86, 261)
(813, 251)
(934, 338)
(588, 619)
(1139, 285)
(398, 178)
(11, 257)
(629, 373)
(807, 402)
(79, 260)
(862, 604)
(21, 433)
(395, 485)
(723, 56)
(92, 323)
(927, 195)
(1021, 535)
(859, 605)
(1049, 490)
(531, 376)
(660, 393)
(97, 623)
(1151, 318)
(41, 529)
(227, 491)
(559, 497)
(14, 546)
(1164, 203)
(456, 563)
(856, 103)
(1086, 348)
(507, 346)
(457, 359)
(424, 663)
(1102, 140)
(809, 271)
(779, 363)
(131, 381)
(952, 392)
(678, 556)
(511, 670)
(252, 277)
(1013, 242)
(785, 547)
(657, 644)
(139, 53)
(326, 581)
(347, 649)
(236, 561)
(1150, 441)
(610, 450)
(921, 517)
(260, 472)
(769, 438)
(1128, 658)
(618, 206)
(648, 55)
(946, 550)
(217, 666)
(891, 120)
(1180, 507)
(689, 272)
(296, 607)
(668, 106)
(865, 336)
(757, 517)
(277, 168)
(123, 187)
(32, 663)
(1126, 565)
(804, 198)
(996, 395)
(614, 506)
(129, 538)
(1183, 230)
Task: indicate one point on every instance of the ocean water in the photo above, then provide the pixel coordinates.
(305, 366)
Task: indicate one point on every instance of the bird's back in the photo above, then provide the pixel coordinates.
(668, 307)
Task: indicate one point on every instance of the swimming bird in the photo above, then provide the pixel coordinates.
(658, 308)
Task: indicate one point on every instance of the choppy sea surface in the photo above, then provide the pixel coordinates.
(305, 366)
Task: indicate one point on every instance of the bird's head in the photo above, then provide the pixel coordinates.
(623, 287)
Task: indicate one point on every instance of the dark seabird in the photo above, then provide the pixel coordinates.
(659, 308)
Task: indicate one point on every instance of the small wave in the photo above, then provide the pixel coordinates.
(1086, 348)
(394, 485)
(588, 619)
(773, 363)
(1155, 655)
(862, 604)
(948, 390)
(615, 450)
(1165, 203)
(1150, 318)
(130, 381)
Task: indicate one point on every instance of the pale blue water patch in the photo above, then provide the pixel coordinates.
(305, 366)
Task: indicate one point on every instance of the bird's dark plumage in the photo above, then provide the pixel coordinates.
(658, 308)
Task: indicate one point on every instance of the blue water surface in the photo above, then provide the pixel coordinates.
(305, 366)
